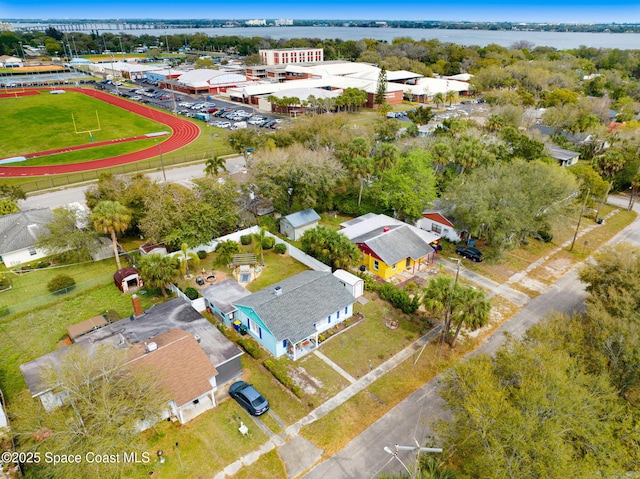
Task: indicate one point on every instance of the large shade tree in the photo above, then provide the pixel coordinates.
(105, 403)
(507, 202)
(298, 176)
(534, 411)
(69, 236)
(111, 218)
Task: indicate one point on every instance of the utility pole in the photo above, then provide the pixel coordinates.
(584, 205)
(604, 198)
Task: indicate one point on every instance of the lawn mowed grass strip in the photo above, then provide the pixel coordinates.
(268, 466)
(89, 154)
(370, 343)
(333, 431)
(45, 122)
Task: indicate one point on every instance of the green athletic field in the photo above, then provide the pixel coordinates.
(46, 122)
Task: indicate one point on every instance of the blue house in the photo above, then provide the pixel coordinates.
(287, 318)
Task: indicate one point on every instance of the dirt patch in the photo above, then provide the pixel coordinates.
(304, 381)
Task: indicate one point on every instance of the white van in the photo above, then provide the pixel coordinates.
(239, 125)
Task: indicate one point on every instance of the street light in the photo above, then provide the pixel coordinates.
(415, 448)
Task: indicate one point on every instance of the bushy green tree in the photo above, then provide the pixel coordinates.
(330, 247)
(158, 270)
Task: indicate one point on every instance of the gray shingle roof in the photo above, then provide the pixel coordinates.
(302, 218)
(223, 294)
(306, 299)
(20, 230)
(174, 314)
(396, 244)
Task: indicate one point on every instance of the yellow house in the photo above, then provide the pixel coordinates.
(389, 246)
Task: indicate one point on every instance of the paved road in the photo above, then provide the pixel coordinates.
(57, 198)
(364, 456)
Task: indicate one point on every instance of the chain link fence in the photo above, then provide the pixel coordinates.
(47, 299)
(57, 181)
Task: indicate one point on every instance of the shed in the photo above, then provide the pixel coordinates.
(159, 248)
(295, 224)
(77, 330)
(562, 156)
(127, 279)
(351, 282)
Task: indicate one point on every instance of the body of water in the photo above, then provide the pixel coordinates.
(559, 40)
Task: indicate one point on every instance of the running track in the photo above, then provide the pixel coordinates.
(183, 133)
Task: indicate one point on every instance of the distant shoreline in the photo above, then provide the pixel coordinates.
(369, 24)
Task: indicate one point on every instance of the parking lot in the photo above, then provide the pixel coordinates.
(216, 112)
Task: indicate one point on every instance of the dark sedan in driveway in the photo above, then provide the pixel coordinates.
(249, 398)
(474, 254)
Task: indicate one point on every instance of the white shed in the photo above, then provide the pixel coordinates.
(351, 282)
(295, 224)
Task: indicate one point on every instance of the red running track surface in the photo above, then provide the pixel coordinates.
(183, 133)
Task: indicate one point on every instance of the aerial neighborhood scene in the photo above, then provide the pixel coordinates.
(344, 241)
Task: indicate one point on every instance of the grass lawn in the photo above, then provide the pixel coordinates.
(337, 428)
(45, 122)
(370, 342)
(277, 267)
(32, 287)
(269, 466)
(333, 221)
(206, 444)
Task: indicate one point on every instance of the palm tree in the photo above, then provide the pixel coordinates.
(157, 270)
(451, 96)
(437, 294)
(362, 167)
(226, 250)
(186, 257)
(438, 99)
(470, 308)
(441, 155)
(214, 164)
(112, 218)
(257, 245)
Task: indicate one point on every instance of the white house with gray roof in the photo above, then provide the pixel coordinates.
(295, 224)
(18, 235)
(287, 317)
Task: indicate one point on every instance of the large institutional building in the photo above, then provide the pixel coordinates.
(291, 55)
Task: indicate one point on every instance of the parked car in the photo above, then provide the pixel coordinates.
(249, 398)
(474, 254)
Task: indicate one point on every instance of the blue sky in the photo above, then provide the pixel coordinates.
(585, 11)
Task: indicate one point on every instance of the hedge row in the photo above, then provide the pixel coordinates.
(398, 297)
(281, 374)
(252, 348)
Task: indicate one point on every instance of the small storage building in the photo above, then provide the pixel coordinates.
(351, 282)
(127, 279)
(295, 224)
